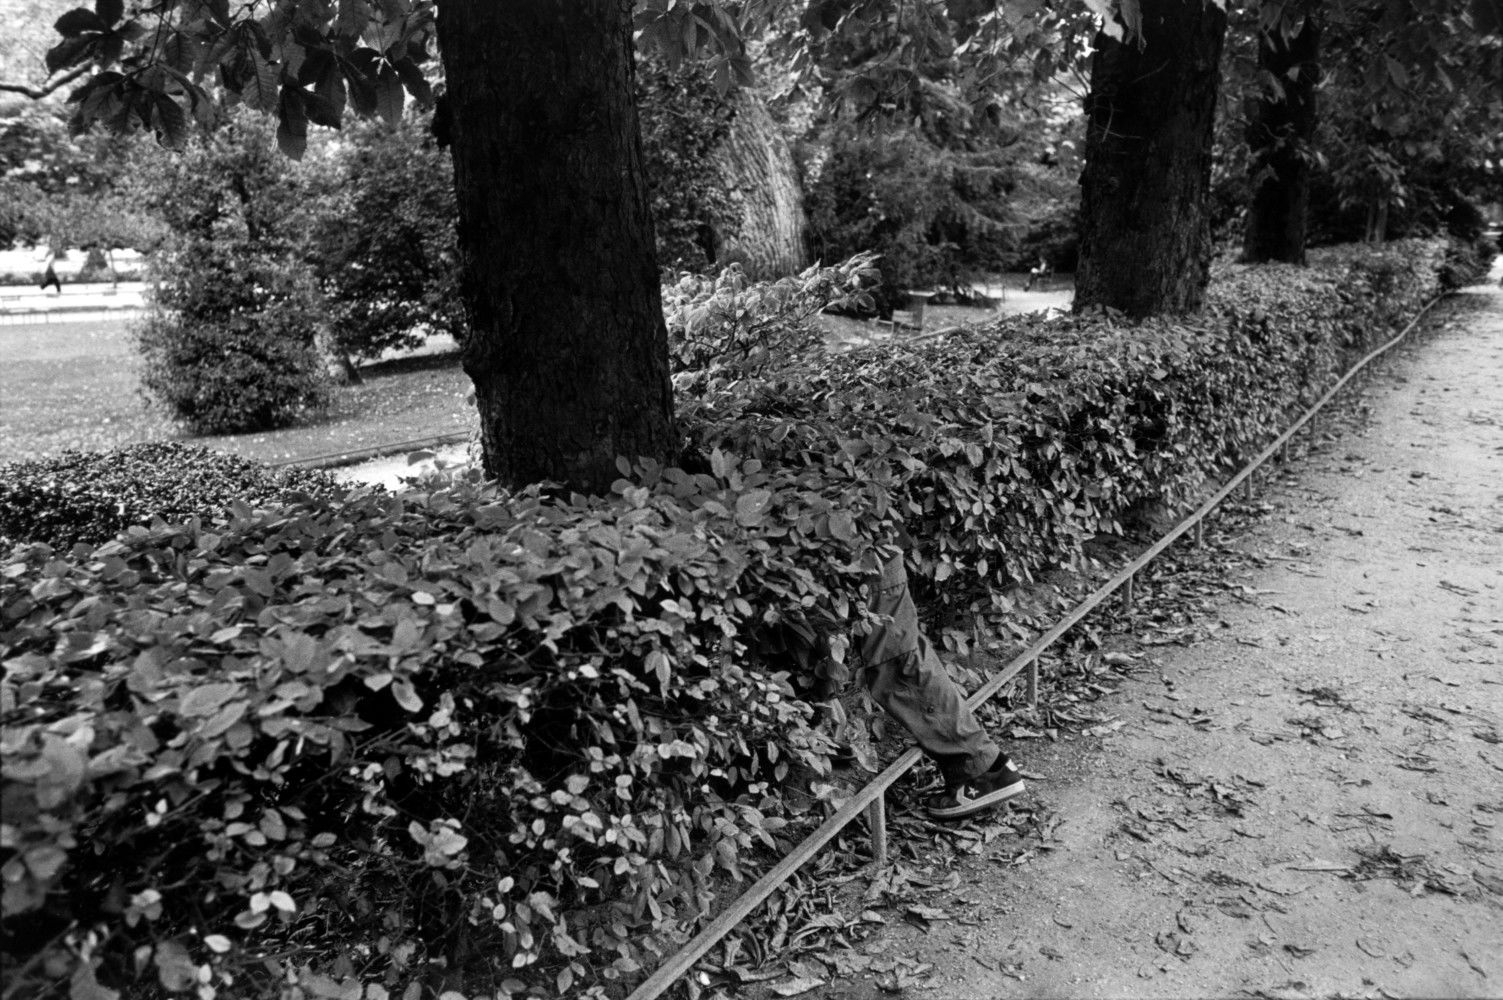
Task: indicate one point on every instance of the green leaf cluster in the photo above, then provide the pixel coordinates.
(328, 729)
(724, 327)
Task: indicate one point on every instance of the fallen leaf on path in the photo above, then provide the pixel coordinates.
(797, 987)
(1299, 950)
(1319, 866)
(1475, 967)
(926, 913)
(1374, 950)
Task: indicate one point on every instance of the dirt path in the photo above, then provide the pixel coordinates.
(1306, 801)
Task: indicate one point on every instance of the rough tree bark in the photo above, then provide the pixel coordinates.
(1145, 242)
(754, 160)
(567, 346)
(1278, 136)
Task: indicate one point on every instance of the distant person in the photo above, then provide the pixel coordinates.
(49, 277)
(1038, 274)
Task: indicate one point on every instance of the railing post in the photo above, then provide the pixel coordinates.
(876, 821)
(1200, 533)
(1127, 595)
(1033, 683)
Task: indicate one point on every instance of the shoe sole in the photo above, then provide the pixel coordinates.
(979, 804)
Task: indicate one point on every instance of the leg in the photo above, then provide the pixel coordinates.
(908, 680)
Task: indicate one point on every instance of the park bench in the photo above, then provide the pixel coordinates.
(911, 318)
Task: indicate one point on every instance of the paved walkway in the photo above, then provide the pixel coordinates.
(1306, 801)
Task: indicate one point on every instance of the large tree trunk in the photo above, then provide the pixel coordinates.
(755, 162)
(567, 346)
(1145, 240)
(1278, 135)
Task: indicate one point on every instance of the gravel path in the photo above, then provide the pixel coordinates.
(1305, 802)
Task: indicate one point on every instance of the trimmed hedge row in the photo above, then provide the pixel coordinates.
(1010, 446)
(89, 497)
(463, 739)
(463, 724)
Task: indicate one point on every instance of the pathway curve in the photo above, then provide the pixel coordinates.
(1308, 801)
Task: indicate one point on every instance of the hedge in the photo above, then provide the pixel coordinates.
(1010, 446)
(470, 740)
(88, 497)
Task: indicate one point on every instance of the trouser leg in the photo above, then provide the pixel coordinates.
(907, 679)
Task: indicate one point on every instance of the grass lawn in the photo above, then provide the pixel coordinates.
(74, 385)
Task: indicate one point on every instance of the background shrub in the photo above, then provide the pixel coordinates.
(91, 496)
(1467, 261)
(227, 344)
(937, 217)
(726, 326)
(381, 237)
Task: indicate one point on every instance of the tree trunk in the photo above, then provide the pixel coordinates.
(1377, 220)
(337, 364)
(567, 346)
(1145, 240)
(756, 164)
(1278, 135)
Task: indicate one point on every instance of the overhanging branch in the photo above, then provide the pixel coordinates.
(36, 93)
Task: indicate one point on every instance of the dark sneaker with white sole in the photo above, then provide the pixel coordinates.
(977, 794)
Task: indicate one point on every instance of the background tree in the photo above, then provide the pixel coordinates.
(1145, 245)
(566, 343)
(566, 346)
(928, 134)
(1280, 129)
(1406, 129)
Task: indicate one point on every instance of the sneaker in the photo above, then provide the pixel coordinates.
(982, 792)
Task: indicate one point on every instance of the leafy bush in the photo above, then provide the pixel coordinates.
(338, 743)
(937, 217)
(88, 497)
(487, 728)
(729, 327)
(1467, 261)
(228, 343)
(382, 239)
(683, 118)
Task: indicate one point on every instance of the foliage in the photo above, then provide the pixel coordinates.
(64, 191)
(459, 725)
(1410, 116)
(227, 345)
(937, 217)
(227, 182)
(339, 742)
(89, 497)
(725, 327)
(1008, 447)
(1467, 261)
(683, 118)
(381, 237)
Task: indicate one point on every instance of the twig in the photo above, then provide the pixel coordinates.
(36, 93)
